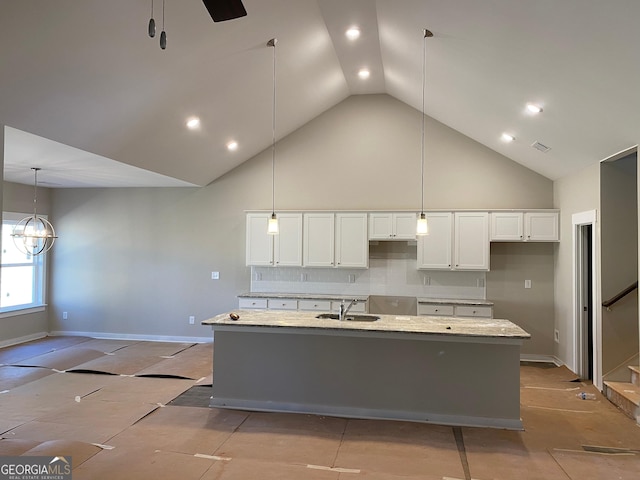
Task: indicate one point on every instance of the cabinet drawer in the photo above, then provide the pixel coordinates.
(474, 311)
(315, 305)
(433, 309)
(252, 303)
(280, 304)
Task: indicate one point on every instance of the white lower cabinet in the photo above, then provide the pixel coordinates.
(315, 305)
(454, 310)
(282, 304)
(248, 303)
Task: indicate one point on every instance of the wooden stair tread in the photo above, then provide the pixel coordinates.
(635, 368)
(627, 390)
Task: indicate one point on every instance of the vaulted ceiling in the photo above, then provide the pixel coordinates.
(85, 74)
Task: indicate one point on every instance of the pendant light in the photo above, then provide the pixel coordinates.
(422, 226)
(34, 235)
(152, 23)
(163, 34)
(272, 228)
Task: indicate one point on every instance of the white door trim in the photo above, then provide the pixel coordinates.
(577, 220)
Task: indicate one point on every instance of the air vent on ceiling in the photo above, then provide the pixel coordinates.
(541, 147)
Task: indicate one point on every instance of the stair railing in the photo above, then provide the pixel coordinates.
(616, 298)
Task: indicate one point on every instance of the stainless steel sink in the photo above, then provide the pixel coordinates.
(349, 317)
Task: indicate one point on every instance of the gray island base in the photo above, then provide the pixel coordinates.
(451, 371)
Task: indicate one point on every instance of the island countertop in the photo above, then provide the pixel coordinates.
(425, 325)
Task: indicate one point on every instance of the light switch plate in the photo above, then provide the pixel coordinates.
(527, 284)
(215, 275)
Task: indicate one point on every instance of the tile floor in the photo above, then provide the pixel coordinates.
(116, 421)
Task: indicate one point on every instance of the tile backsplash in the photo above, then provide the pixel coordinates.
(392, 271)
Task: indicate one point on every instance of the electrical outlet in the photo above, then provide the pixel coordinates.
(352, 278)
(527, 284)
(192, 320)
(65, 315)
(426, 280)
(480, 282)
(215, 275)
(556, 335)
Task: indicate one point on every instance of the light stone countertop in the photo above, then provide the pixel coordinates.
(455, 301)
(426, 325)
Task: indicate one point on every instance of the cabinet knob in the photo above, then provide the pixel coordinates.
(437, 310)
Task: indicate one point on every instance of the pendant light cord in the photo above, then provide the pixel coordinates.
(424, 70)
(272, 43)
(35, 192)
(151, 8)
(163, 15)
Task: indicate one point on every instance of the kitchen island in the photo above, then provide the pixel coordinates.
(453, 371)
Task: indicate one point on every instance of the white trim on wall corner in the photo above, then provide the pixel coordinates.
(140, 338)
(27, 338)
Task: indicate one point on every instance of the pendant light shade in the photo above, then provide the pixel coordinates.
(422, 227)
(272, 228)
(34, 235)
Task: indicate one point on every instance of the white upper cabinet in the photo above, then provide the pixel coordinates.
(283, 249)
(338, 240)
(507, 227)
(542, 226)
(434, 250)
(259, 243)
(471, 241)
(527, 226)
(352, 245)
(392, 226)
(287, 244)
(318, 240)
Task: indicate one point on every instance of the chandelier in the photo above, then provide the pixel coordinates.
(34, 235)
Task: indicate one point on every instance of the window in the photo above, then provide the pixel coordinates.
(21, 275)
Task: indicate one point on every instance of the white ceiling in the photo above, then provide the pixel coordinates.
(86, 75)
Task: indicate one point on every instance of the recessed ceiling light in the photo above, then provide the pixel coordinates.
(507, 138)
(533, 108)
(353, 33)
(364, 73)
(193, 123)
(232, 146)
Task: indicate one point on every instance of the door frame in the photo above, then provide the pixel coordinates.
(579, 220)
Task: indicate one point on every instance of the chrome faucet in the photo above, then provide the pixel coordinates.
(345, 309)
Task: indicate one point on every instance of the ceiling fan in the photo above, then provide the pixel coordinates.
(223, 10)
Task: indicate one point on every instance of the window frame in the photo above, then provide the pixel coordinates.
(39, 276)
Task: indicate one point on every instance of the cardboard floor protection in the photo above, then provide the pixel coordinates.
(12, 377)
(23, 351)
(597, 466)
(133, 358)
(142, 390)
(78, 451)
(62, 359)
(194, 362)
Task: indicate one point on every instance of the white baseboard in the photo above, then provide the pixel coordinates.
(528, 357)
(26, 338)
(129, 336)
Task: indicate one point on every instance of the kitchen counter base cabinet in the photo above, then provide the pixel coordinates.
(375, 375)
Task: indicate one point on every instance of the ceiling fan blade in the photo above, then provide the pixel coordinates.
(223, 10)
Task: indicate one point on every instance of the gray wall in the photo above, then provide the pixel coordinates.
(619, 258)
(531, 309)
(19, 198)
(138, 261)
(576, 193)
